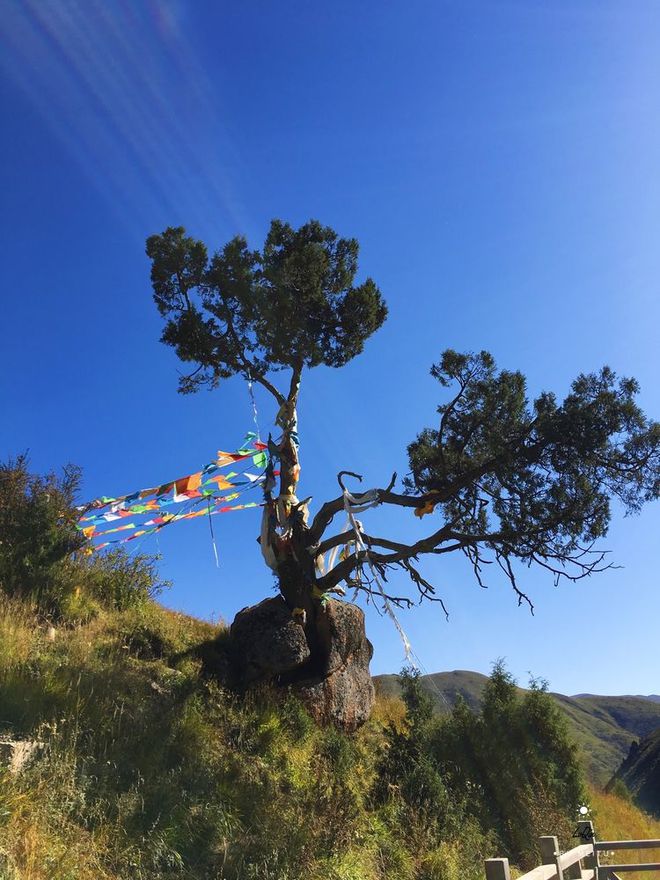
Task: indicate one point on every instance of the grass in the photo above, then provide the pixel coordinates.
(617, 818)
(151, 770)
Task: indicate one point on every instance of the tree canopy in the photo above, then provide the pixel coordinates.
(292, 304)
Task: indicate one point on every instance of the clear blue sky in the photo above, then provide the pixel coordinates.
(498, 162)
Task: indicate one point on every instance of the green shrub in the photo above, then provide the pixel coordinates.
(514, 765)
(41, 558)
(619, 788)
(114, 580)
(409, 768)
(37, 530)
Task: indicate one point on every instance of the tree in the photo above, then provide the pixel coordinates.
(408, 765)
(513, 481)
(37, 528)
(513, 765)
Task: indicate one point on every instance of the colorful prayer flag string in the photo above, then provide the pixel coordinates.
(206, 486)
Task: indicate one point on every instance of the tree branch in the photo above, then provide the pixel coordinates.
(257, 377)
(385, 496)
(244, 364)
(403, 552)
(294, 386)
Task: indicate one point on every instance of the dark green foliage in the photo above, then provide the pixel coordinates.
(534, 482)
(408, 766)
(603, 727)
(515, 764)
(40, 560)
(511, 768)
(639, 774)
(292, 304)
(37, 528)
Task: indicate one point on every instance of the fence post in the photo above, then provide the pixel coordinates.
(585, 832)
(497, 869)
(549, 846)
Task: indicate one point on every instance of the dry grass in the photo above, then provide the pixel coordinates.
(619, 819)
(389, 711)
(19, 633)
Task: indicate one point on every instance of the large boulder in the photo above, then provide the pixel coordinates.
(343, 693)
(266, 642)
(333, 681)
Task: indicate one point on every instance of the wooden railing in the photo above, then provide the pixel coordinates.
(580, 863)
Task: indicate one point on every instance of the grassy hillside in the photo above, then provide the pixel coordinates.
(143, 765)
(604, 727)
(148, 770)
(616, 818)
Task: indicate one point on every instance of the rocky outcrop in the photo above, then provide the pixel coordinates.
(332, 678)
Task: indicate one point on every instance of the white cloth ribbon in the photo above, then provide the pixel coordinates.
(357, 504)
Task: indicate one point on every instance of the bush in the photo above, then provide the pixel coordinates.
(112, 579)
(37, 529)
(408, 769)
(40, 558)
(619, 789)
(514, 765)
(509, 774)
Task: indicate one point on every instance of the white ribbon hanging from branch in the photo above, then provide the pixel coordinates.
(357, 504)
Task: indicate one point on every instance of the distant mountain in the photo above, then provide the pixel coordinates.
(654, 698)
(641, 773)
(444, 687)
(604, 727)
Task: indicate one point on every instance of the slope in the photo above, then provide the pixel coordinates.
(640, 772)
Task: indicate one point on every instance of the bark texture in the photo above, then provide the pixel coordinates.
(332, 680)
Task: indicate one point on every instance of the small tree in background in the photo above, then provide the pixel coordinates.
(503, 775)
(513, 765)
(510, 770)
(408, 767)
(39, 562)
(37, 527)
(508, 480)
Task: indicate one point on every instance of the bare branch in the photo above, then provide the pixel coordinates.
(425, 589)
(403, 552)
(385, 496)
(257, 377)
(348, 474)
(505, 564)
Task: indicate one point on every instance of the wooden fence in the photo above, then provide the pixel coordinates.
(580, 863)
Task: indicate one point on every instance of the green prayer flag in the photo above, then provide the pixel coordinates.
(260, 460)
